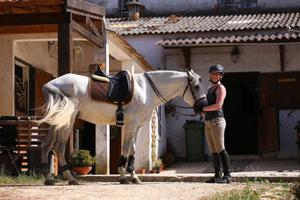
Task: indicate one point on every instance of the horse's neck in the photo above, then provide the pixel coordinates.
(170, 84)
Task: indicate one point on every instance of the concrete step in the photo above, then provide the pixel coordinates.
(271, 176)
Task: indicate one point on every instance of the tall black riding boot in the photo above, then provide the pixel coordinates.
(226, 166)
(217, 166)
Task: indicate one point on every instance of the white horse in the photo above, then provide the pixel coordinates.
(68, 97)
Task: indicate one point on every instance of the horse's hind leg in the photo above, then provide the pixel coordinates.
(60, 147)
(47, 145)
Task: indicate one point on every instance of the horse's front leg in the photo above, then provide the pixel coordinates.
(130, 163)
(128, 143)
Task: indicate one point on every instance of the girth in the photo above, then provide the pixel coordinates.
(116, 89)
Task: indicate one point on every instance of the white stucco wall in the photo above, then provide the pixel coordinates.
(257, 57)
(145, 44)
(187, 6)
(278, 3)
(7, 106)
(37, 54)
(158, 7)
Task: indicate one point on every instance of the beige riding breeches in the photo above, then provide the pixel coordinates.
(215, 132)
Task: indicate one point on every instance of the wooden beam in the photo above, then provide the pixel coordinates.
(86, 34)
(65, 49)
(32, 2)
(85, 7)
(50, 28)
(93, 27)
(34, 19)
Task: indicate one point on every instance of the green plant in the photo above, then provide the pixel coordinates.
(157, 163)
(82, 158)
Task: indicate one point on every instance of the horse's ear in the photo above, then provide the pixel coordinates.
(190, 72)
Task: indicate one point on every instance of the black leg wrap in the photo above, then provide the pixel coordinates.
(130, 164)
(63, 168)
(122, 161)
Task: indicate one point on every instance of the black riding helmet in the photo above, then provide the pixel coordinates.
(216, 68)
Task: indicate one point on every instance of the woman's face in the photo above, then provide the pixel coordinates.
(215, 76)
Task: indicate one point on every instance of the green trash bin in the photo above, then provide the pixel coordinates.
(194, 137)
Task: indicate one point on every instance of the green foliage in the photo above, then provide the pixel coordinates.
(157, 163)
(82, 158)
(21, 179)
(247, 193)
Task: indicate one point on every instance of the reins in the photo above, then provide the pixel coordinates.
(156, 91)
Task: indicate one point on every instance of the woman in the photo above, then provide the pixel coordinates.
(215, 126)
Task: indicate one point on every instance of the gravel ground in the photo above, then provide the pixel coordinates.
(115, 191)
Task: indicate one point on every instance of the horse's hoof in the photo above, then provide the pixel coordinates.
(124, 181)
(136, 181)
(49, 182)
(74, 182)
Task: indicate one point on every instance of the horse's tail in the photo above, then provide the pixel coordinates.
(58, 108)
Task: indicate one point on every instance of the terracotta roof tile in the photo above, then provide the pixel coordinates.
(228, 39)
(179, 24)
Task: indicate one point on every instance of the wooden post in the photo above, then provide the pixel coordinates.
(65, 62)
(65, 48)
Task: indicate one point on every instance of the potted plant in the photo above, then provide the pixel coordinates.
(82, 162)
(157, 166)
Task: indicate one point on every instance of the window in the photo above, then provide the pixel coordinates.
(237, 3)
(123, 7)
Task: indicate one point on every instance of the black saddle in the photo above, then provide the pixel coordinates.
(120, 87)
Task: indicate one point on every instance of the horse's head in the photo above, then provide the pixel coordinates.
(196, 95)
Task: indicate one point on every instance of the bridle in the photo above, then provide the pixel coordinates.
(156, 91)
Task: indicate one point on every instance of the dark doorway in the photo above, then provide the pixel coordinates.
(241, 112)
(86, 136)
(115, 148)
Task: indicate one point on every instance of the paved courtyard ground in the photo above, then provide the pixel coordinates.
(115, 191)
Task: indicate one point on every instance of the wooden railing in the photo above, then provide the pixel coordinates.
(28, 141)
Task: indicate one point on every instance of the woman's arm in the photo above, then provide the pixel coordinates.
(221, 94)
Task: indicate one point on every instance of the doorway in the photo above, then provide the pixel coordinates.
(241, 112)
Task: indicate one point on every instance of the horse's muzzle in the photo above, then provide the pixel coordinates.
(199, 104)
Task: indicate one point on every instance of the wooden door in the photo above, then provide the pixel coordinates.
(268, 130)
(39, 78)
(268, 118)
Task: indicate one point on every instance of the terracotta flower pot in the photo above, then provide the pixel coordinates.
(82, 170)
(141, 171)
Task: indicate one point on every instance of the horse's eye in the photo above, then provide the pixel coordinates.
(200, 80)
(197, 87)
